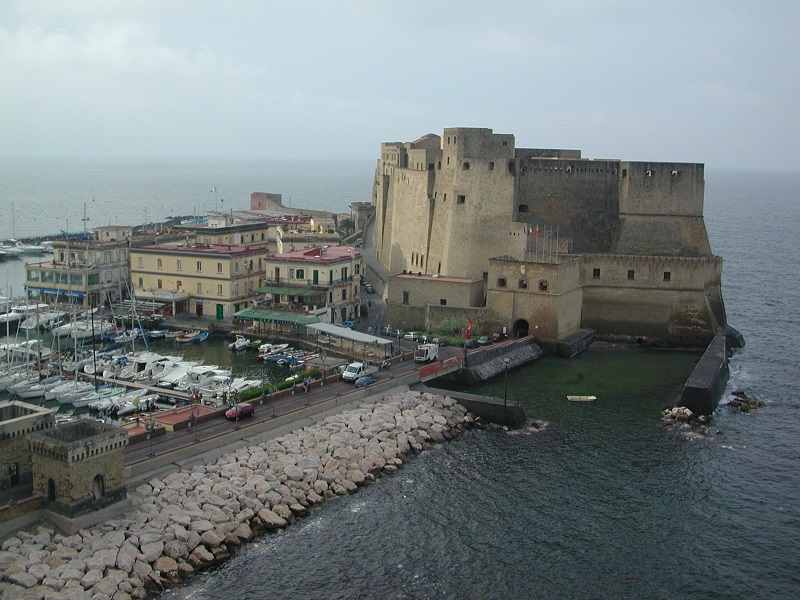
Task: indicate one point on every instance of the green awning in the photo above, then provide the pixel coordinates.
(275, 316)
(289, 291)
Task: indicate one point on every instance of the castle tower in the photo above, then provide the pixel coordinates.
(79, 467)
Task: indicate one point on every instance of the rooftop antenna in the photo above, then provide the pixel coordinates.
(85, 218)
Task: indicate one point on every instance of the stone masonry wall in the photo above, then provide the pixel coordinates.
(74, 482)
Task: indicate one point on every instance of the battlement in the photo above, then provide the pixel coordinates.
(77, 441)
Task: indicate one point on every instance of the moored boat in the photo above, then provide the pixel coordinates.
(187, 337)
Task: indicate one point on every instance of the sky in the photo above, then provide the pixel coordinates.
(715, 82)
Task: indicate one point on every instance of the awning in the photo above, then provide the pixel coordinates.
(275, 316)
(349, 334)
(73, 293)
(160, 295)
(289, 291)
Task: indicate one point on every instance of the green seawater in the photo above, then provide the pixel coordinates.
(632, 379)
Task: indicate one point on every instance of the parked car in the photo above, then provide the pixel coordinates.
(484, 340)
(240, 411)
(469, 344)
(411, 335)
(386, 330)
(364, 381)
(369, 289)
(439, 341)
(497, 337)
(349, 324)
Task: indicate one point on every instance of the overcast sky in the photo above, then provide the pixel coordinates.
(713, 82)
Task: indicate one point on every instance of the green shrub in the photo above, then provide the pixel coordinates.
(278, 386)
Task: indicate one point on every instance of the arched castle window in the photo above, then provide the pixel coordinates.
(543, 285)
(568, 169)
(98, 487)
(501, 282)
(465, 166)
(649, 172)
(523, 285)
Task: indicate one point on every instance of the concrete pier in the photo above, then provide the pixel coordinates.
(703, 389)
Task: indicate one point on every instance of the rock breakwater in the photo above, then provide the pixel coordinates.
(191, 520)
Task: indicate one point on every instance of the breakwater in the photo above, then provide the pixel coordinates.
(703, 389)
(194, 519)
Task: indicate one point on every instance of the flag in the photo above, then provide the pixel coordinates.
(212, 190)
(537, 231)
(528, 230)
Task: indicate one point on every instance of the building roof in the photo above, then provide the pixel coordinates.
(436, 278)
(200, 249)
(349, 334)
(321, 254)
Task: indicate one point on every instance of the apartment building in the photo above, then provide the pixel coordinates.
(202, 279)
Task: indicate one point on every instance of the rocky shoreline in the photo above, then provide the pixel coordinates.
(193, 520)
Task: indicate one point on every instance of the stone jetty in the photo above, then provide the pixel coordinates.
(192, 520)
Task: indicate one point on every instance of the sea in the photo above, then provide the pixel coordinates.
(592, 500)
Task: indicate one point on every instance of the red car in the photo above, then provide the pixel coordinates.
(240, 411)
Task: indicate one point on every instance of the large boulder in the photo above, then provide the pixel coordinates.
(271, 520)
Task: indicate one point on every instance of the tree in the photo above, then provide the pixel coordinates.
(346, 227)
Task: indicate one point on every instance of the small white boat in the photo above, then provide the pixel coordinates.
(187, 337)
(241, 343)
(267, 349)
(581, 398)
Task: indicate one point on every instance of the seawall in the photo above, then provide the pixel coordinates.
(493, 410)
(703, 389)
(488, 362)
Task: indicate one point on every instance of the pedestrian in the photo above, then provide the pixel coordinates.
(307, 384)
(369, 330)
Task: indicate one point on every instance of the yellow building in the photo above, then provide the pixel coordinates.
(199, 278)
(316, 278)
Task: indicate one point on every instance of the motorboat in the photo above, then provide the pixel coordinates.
(581, 398)
(267, 349)
(199, 339)
(16, 248)
(45, 320)
(187, 337)
(201, 375)
(241, 343)
(10, 322)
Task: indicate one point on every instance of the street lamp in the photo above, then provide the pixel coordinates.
(505, 392)
(149, 427)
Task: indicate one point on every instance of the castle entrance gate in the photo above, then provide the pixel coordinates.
(520, 328)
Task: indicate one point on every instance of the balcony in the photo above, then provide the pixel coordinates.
(321, 285)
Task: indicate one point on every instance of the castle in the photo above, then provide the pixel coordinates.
(558, 243)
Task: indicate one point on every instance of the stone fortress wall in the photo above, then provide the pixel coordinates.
(449, 205)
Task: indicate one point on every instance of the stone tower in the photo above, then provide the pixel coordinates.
(79, 467)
